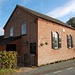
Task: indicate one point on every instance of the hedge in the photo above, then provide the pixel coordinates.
(8, 59)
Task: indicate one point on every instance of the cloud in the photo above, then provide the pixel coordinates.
(64, 10)
(25, 2)
(1, 31)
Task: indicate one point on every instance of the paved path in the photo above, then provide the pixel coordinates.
(49, 68)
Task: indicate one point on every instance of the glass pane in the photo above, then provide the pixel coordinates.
(72, 41)
(53, 42)
(11, 31)
(56, 40)
(69, 41)
(59, 37)
(24, 28)
(60, 40)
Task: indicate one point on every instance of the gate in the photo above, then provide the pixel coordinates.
(27, 60)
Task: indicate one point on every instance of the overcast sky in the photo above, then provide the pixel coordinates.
(59, 9)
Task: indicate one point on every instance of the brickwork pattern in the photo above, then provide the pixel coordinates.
(45, 53)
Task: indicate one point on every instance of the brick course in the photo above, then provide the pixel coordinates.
(45, 53)
(16, 21)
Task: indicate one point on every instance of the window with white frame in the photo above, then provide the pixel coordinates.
(11, 31)
(69, 41)
(56, 40)
(24, 28)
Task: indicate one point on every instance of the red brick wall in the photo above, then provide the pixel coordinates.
(17, 20)
(3, 48)
(31, 25)
(17, 42)
(45, 53)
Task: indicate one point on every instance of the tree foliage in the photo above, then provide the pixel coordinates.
(71, 22)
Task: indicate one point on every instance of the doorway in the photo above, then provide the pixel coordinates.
(32, 48)
(11, 47)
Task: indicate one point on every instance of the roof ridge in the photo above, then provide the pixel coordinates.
(40, 15)
(45, 16)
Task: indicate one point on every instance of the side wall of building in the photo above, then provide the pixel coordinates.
(46, 53)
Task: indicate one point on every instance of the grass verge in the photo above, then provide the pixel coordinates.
(7, 71)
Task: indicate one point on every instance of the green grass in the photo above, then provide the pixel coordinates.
(7, 71)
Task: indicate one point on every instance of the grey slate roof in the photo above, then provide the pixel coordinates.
(40, 15)
(8, 40)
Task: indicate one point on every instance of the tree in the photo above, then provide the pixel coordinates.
(71, 22)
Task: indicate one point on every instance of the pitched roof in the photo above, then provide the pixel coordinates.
(8, 40)
(40, 15)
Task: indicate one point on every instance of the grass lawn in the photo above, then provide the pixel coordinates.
(7, 71)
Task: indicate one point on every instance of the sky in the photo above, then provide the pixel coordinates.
(62, 10)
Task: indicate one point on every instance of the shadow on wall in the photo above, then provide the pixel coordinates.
(1, 36)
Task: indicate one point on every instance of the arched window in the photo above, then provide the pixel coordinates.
(11, 31)
(24, 28)
(69, 41)
(56, 40)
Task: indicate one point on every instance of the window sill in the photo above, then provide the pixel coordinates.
(23, 34)
(70, 48)
(11, 36)
(55, 48)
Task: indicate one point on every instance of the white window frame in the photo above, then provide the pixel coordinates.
(11, 31)
(24, 28)
(56, 43)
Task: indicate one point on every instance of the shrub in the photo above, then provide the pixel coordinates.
(52, 63)
(73, 57)
(46, 43)
(7, 59)
(56, 61)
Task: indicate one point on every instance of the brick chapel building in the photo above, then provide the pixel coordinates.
(38, 39)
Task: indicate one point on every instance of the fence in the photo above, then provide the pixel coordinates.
(26, 60)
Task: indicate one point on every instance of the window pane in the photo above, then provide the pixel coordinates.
(53, 40)
(60, 40)
(24, 28)
(72, 41)
(56, 40)
(32, 48)
(69, 41)
(11, 31)
(59, 37)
